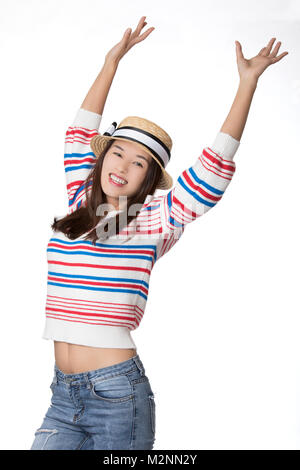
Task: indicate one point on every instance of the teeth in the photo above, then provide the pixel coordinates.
(118, 180)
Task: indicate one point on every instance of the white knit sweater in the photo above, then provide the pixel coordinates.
(96, 295)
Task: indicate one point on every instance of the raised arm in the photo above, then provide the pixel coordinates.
(249, 72)
(201, 186)
(96, 97)
(79, 159)
(97, 94)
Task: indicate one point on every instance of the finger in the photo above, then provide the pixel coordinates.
(239, 52)
(143, 36)
(276, 59)
(127, 34)
(143, 25)
(269, 46)
(276, 49)
(139, 26)
(129, 30)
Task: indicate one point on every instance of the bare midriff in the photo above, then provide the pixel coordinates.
(75, 359)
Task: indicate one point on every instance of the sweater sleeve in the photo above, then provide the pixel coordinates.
(197, 189)
(79, 159)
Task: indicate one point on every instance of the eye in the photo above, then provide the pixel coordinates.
(139, 163)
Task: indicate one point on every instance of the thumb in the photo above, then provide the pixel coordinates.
(238, 48)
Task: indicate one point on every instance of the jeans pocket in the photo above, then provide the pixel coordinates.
(114, 389)
(152, 412)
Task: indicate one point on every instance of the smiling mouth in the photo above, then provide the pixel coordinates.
(114, 179)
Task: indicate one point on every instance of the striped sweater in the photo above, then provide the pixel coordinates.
(97, 294)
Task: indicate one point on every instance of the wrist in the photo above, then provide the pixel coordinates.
(111, 62)
(249, 81)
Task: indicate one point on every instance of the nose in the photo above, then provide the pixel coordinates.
(122, 168)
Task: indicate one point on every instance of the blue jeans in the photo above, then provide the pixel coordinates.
(108, 408)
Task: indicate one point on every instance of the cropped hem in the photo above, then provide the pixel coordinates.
(97, 336)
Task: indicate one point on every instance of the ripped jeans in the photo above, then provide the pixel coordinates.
(108, 408)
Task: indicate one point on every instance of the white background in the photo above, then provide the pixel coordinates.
(220, 335)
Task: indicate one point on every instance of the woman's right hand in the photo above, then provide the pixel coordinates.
(254, 67)
(128, 40)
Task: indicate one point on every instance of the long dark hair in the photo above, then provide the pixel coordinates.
(84, 219)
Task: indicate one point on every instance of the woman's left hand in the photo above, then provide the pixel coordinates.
(128, 40)
(253, 68)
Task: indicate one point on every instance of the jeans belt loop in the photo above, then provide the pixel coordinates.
(55, 378)
(139, 365)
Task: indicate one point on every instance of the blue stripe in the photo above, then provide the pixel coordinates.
(171, 219)
(52, 250)
(194, 194)
(206, 185)
(115, 279)
(79, 167)
(82, 186)
(71, 201)
(175, 223)
(78, 155)
(99, 289)
(90, 243)
(150, 208)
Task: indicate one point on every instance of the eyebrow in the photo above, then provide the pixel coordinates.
(140, 156)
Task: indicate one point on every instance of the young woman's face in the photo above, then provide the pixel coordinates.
(130, 163)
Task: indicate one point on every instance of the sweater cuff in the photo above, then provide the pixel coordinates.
(225, 145)
(87, 119)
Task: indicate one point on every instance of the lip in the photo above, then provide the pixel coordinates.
(114, 182)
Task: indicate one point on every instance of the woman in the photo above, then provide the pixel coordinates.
(100, 264)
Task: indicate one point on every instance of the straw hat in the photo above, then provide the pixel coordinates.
(147, 135)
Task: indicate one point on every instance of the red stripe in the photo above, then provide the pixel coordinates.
(165, 210)
(101, 266)
(148, 231)
(92, 323)
(199, 189)
(92, 301)
(181, 217)
(220, 172)
(75, 183)
(103, 315)
(83, 131)
(78, 307)
(77, 161)
(186, 209)
(209, 169)
(102, 250)
(153, 218)
(169, 242)
(79, 196)
(219, 156)
(91, 320)
(221, 164)
(98, 283)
